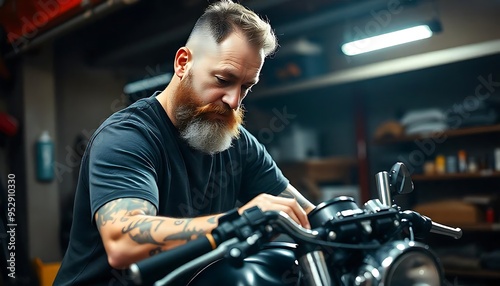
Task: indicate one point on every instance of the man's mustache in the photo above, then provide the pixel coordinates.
(214, 108)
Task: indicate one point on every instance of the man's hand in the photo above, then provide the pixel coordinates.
(290, 206)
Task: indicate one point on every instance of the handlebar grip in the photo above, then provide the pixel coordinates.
(150, 270)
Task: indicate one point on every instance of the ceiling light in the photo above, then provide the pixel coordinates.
(387, 40)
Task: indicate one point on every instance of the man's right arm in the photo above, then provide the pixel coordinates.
(131, 231)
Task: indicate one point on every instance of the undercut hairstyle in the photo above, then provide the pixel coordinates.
(225, 17)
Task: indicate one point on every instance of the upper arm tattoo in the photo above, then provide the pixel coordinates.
(138, 230)
(108, 213)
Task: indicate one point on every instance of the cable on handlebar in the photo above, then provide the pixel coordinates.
(297, 232)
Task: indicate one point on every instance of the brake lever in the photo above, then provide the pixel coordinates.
(423, 225)
(442, 229)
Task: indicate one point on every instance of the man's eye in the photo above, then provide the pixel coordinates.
(221, 80)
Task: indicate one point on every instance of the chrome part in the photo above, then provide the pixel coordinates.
(367, 226)
(375, 206)
(315, 270)
(368, 276)
(401, 263)
(135, 274)
(348, 213)
(384, 192)
(438, 228)
(235, 252)
(291, 227)
(332, 235)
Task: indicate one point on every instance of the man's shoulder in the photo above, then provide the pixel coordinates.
(141, 114)
(134, 111)
(136, 124)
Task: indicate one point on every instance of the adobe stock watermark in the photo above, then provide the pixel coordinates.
(31, 25)
(456, 115)
(280, 120)
(11, 226)
(379, 20)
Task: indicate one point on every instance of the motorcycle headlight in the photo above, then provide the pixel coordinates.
(405, 263)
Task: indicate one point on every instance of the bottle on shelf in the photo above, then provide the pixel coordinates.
(472, 166)
(462, 161)
(451, 164)
(440, 164)
(45, 158)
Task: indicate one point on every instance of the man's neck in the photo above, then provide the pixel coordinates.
(165, 98)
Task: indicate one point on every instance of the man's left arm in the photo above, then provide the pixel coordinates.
(292, 193)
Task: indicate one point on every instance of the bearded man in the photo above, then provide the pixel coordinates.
(162, 171)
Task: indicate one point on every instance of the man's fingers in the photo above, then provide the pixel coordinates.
(294, 211)
(290, 213)
(290, 206)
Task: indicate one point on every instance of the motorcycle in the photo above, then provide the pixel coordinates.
(378, 244)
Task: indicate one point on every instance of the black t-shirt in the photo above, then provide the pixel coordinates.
(138, 153)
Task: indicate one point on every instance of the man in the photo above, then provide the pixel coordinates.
(162, 171)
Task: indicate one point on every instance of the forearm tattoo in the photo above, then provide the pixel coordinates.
(141, 230)
(187, 233)
(144, 227)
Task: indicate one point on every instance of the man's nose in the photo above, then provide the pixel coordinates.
(232, 98)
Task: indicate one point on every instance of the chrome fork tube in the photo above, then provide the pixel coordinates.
(314, 268)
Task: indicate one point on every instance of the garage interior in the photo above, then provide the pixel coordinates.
(330, 121)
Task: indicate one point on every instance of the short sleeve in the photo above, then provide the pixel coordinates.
(122, 163)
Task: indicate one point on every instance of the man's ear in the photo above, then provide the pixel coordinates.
(183, 59)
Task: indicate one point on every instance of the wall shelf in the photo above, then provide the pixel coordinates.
(386, 68)
(449, 133)
(456, 176)
(487, 227)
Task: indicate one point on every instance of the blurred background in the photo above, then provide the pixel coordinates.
(331, 118)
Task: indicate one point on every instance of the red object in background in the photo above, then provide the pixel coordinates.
(490, 215)
(26, 18)
(8, 124)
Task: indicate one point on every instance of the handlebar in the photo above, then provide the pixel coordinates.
(147, 271)
(398, 181)
(238, 230)
(150, 270)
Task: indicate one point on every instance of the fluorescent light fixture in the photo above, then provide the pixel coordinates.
(147, 83)
(387, 40)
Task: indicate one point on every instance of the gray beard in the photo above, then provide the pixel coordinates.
(207, 137)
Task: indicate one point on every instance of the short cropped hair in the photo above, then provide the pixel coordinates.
(225, 17)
